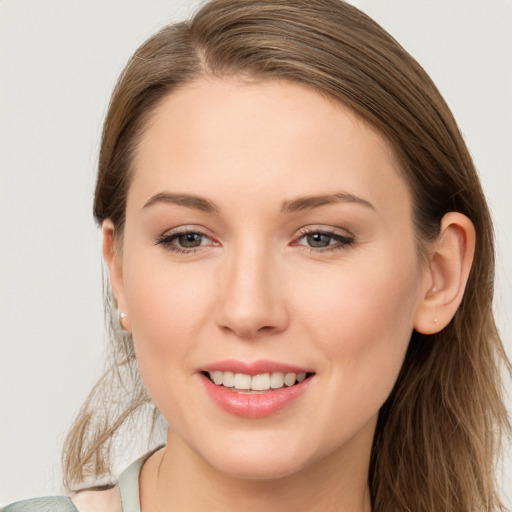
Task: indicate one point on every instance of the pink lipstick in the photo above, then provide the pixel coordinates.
(254, 390)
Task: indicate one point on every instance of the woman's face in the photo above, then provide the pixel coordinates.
(268, 232)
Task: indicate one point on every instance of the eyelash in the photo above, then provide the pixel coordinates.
(342, 241)
(167, 239)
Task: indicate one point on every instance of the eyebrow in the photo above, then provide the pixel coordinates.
(187, 200)
(289, 206)
(310, 202)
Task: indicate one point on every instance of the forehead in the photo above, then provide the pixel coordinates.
(217, 136)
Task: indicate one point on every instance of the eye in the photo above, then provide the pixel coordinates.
(320, 239)
(184, 240)
(189, 240)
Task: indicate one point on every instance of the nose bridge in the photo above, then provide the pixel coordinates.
(251, 299)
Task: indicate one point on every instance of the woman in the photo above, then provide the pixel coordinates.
(300, 257)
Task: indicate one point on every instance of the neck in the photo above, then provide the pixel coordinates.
(176, 478)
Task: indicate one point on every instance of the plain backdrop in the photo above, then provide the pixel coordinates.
(58, 63)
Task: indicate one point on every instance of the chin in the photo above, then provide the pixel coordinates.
(259, 459)
(258, 467)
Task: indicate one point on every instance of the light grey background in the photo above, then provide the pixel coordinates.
(58, 63)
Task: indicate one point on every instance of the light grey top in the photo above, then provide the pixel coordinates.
(128, 487)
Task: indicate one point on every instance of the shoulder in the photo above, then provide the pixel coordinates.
(48, 504)
(83, 501)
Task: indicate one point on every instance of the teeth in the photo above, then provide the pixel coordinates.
(262, 382)
(290, 378)
(228, 380)
(242, 381)
(277, 380)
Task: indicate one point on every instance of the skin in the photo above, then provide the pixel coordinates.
(255, 289)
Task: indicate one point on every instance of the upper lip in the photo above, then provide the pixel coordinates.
(253, 368)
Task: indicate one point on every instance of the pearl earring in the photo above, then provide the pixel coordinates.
(121, 315)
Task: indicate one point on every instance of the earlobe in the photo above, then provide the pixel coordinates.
(449, 265)
(115, 270)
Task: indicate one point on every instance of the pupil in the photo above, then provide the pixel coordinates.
(190, 240)
(319, 240)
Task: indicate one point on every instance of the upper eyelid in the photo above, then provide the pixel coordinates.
(328, 230)
(180, 230)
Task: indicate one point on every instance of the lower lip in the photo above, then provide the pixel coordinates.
(254, 405)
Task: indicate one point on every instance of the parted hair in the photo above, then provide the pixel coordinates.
(439, 432)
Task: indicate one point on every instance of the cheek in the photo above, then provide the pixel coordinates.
(362, 316)
(166, 303)
(167, 312)
(361, 320)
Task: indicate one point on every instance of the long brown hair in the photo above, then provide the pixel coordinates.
(439, 432)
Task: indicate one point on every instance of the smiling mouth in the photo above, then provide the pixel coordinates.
(261, 383)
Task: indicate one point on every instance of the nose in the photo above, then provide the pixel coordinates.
(251, 301)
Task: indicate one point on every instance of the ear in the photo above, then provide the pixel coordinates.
(113, 260)
(449, 264)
